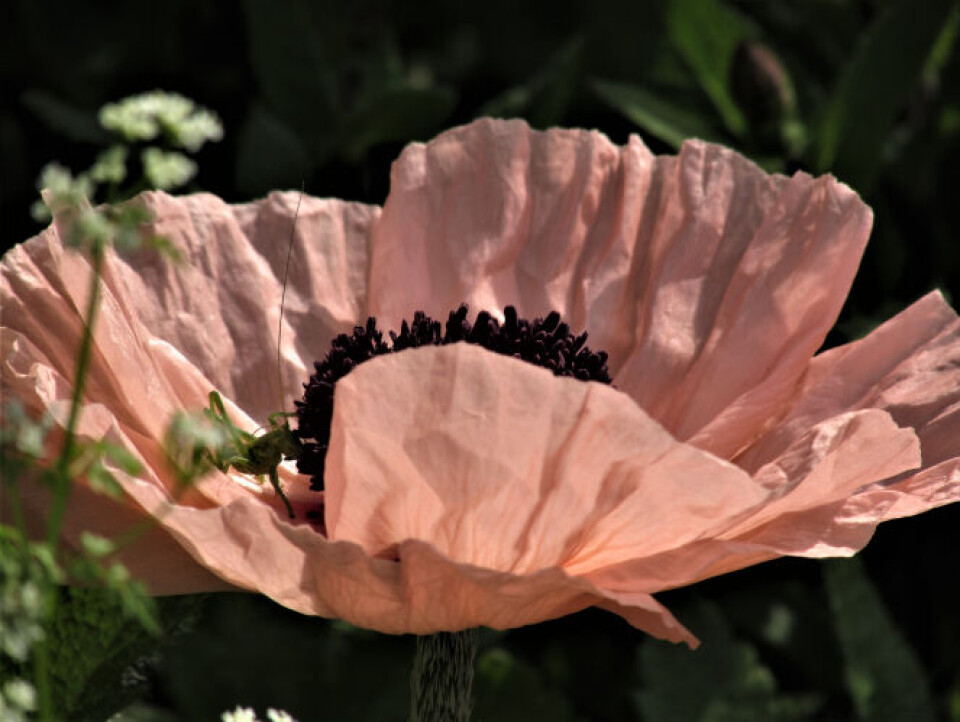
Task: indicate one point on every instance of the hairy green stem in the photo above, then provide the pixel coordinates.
(62, 483)
(442, 677)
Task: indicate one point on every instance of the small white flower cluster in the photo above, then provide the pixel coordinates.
(146, 116)
(166, 170)
(61, 187)
(17, 700)
(245, 714)
(21, 620)
(180, 122)
(21, 613)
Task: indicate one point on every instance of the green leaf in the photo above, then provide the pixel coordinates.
(789, 618)
(873, 87)
(724, 679)
(118, 455)
(943, 47)
(110, 165)
(706, 33)
(99, 656)
(270, 155)
(164, 246)
(103, 481)
(542, 100)
(884, 676)
(507, 689)
(311, 667)
(293, 75)
(166, 170)
(654, 114)
(402, 113)
(96, 545)
(137, 603)
(69, 121)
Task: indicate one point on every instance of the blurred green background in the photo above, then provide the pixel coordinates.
(327, 93)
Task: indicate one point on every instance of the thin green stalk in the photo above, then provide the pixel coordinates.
(15, 504)
(41, 665)
(62, 481)
(442, 677)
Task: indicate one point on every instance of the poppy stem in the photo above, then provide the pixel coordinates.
(442, 677)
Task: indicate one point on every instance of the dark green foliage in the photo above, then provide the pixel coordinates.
(545, 98)
(884, 676)
(507, 689)
(253, 653)
(874, 87)
(657, 115)
(722, 680)
(100, 656)
(706, 34)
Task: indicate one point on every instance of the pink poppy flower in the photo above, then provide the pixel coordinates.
(466, 488)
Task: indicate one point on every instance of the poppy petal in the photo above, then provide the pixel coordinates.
(909, 366)
(501, 464)
(709, 282)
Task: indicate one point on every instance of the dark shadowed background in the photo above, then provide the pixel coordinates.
(327, 93)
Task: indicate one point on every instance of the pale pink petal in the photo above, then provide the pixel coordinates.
(502, 465)
(709, 282)
(810, 484)
(646, 613)
(909, 366)
(227, 528)
(831, 462)
(138, 380)
(220, 308)
(154, 558)
(834, 530)
(43, 291)
(249, 546)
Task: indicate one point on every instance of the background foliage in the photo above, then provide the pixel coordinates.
(326, 93)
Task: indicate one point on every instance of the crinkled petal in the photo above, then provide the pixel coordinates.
(154, 557)
(909, 366)
(220, 308)
(709, 282)
(224, 535)
(839, 529)
(501, 464)
(831, 462)
(137, 379)
(423, 591)
(813, 509)
(43, 292)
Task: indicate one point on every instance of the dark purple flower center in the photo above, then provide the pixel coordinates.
(544, 341)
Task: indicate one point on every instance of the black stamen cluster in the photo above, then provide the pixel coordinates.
(545, 342)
